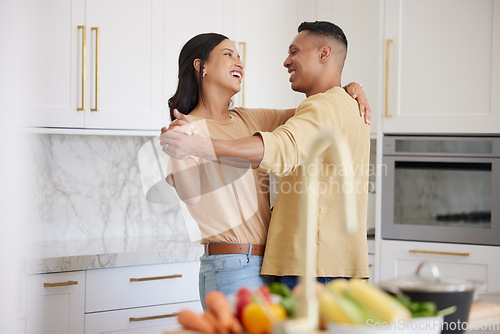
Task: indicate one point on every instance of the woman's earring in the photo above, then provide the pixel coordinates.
(204, 73)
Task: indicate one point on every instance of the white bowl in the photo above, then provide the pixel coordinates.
(430, 325)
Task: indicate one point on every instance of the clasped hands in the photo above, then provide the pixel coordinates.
(182, 140)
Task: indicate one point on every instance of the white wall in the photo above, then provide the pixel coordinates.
(10, 168)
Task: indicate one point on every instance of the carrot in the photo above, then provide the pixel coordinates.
(210, 317)
(217, 303)
(190, 320)
(236, 326)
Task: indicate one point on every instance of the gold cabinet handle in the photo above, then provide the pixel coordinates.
(82, 28)
(96, 74)
(55, 285)
(144, 279)
(417, 251)
(154, 317)
(387, 62)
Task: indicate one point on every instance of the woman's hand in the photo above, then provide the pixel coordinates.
(180, 124)
(356, 91)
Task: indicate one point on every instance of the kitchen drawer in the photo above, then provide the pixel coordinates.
(143, 320)
(127, 287)
(471, 262)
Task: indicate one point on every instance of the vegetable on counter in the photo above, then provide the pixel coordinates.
(255, 311)
(287, 300)
(350, 302)
(424, 309)
(356, 301)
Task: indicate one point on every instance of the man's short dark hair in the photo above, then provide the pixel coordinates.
(325, 28)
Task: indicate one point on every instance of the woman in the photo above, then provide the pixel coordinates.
(230, 204)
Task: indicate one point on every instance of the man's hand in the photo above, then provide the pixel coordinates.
(180, 142)
(180, 121)
(356, 91)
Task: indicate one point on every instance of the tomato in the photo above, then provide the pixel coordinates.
(243, 298)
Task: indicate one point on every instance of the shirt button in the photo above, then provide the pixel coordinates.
(324, 210)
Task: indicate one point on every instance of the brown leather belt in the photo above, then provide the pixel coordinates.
(233, 248)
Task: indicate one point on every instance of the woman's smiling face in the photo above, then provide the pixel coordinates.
(224, 67)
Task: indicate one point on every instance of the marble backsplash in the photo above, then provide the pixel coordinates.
(86, 187)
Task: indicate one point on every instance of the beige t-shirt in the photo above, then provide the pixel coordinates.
(230, 204)
(285, 151)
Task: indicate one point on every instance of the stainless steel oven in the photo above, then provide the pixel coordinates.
(441, 189)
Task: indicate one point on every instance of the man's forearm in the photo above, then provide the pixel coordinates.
(250, 149)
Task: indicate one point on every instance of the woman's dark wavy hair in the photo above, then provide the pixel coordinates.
(185, 98)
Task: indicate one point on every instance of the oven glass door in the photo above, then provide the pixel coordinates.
(441, 199)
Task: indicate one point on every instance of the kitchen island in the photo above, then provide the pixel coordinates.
(94, 286)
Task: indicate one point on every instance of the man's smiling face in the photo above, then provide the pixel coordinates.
(303, 62)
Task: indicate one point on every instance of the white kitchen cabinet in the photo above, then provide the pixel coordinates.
(401, 258)
(93, 64)
(90, 64)
(55, 303)
(126, 91)
(50, 46)
(184, 20)
(360, 21)
(137, 299)
(266, 28)
(442, 66)
(140, 299)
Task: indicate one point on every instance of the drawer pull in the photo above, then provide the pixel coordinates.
(437, 253)
(144, 279)
(96, 74)
(154, 317)
(54, 285)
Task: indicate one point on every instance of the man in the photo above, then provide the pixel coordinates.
(315, 62)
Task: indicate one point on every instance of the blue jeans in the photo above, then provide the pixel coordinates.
(291, 281)
(229, 272)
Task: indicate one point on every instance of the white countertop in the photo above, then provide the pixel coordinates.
(71, 255)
